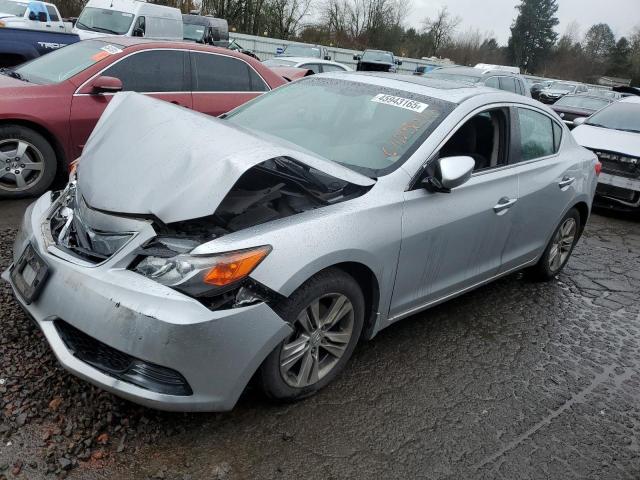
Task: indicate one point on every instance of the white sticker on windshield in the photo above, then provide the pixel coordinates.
(405, 103)
(110, 49)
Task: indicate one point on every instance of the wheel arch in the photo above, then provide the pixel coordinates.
(61, 157)
(583, 210)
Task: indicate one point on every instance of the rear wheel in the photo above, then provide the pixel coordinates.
(560, 247)
(326, 315)
(27, 162)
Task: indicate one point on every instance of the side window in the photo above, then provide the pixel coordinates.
(314, 67)
(492, 82)
(151, 71)
(327, 67)
(537, 134)
(557, 136)
(140, 27)
(508, 84)
(483, 137)
(53, 14)
(218, 73)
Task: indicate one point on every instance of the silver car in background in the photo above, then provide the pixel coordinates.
(189, 254)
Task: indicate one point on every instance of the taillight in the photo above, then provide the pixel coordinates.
(598, 168)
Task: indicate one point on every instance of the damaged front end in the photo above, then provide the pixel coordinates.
(226, 180)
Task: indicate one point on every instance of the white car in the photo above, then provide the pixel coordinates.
(613, 134)
(316, 65)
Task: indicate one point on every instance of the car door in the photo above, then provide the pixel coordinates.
(453, 241)
(159, 73)
(547, 183)
(54, 17)
(223, 82)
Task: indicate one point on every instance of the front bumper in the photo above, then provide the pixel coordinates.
(618, 192)
(216, 352)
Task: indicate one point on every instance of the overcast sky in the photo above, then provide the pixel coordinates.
(496, 15)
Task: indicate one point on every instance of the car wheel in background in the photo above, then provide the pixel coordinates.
(326, 314)
(27, 162)
(560, 247)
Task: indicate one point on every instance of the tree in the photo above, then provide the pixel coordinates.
(532, 33)
(620, 60)
(440, 30)
(599, 41)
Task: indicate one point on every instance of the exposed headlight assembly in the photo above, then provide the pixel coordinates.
(167, 261)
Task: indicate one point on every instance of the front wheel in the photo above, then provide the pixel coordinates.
(326, 314)
(27, 162)
(560, 247)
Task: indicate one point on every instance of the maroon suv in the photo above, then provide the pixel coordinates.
(50, 105)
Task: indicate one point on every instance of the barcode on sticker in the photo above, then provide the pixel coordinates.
(405, 103)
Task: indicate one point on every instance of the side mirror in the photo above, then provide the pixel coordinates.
(137, 32)
(398, 62)
(450, 172)
(32, 15)
(579, 121)
(42, 17)
(357, 57)
(327, 57)
(104, 84)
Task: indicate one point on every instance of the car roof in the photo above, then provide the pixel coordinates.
(635, 99)
(474, 72)
(447, 90)
(589, 95)
(306, 59)
(130, 42)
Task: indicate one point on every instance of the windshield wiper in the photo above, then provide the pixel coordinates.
(12, 74)
(596, 125)
(96, 29)
(300, 172)
(632, 130)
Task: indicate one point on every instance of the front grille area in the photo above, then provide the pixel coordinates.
(620, 168)
(121, 365)
(71, 234)
(617, 193)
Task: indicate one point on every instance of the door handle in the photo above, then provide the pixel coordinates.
(566, 181)
(504, 204)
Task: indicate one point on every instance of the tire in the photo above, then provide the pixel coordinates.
(565, 236)
(28, 163)
(282, 374)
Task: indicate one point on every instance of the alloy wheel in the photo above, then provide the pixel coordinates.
(322, 332)
(21, 165)
(562, 243)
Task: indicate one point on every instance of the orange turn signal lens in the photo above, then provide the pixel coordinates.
(73, 166)
(235, 266)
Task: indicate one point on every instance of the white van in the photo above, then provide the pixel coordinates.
(130, 18)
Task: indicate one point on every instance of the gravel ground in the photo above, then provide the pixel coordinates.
(514, 380)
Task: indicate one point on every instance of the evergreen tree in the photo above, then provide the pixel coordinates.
(532, 33)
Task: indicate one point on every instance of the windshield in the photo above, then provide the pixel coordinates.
(279, 62)
(365, 127)
(105, 21)
(193, 32)
(64, 63)
(13, 8)
(618, 116)
(588, 103)
(456, 77)
(301, 51)
(563, 87)
(369, 56)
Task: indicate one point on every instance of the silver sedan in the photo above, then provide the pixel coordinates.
(189, 254)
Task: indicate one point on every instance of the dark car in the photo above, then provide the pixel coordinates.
(205, 29)
(51, 104)
(555, 90)
(571, 107)
(500, 79)
(377, 61)
(535, 87)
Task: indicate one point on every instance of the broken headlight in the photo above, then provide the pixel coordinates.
(167, 261)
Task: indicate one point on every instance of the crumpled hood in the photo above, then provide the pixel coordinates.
(148, 157)
(627, 143)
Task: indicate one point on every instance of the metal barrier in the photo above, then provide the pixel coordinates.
(266, 48)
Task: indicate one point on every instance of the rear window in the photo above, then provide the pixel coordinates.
(64, 63)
